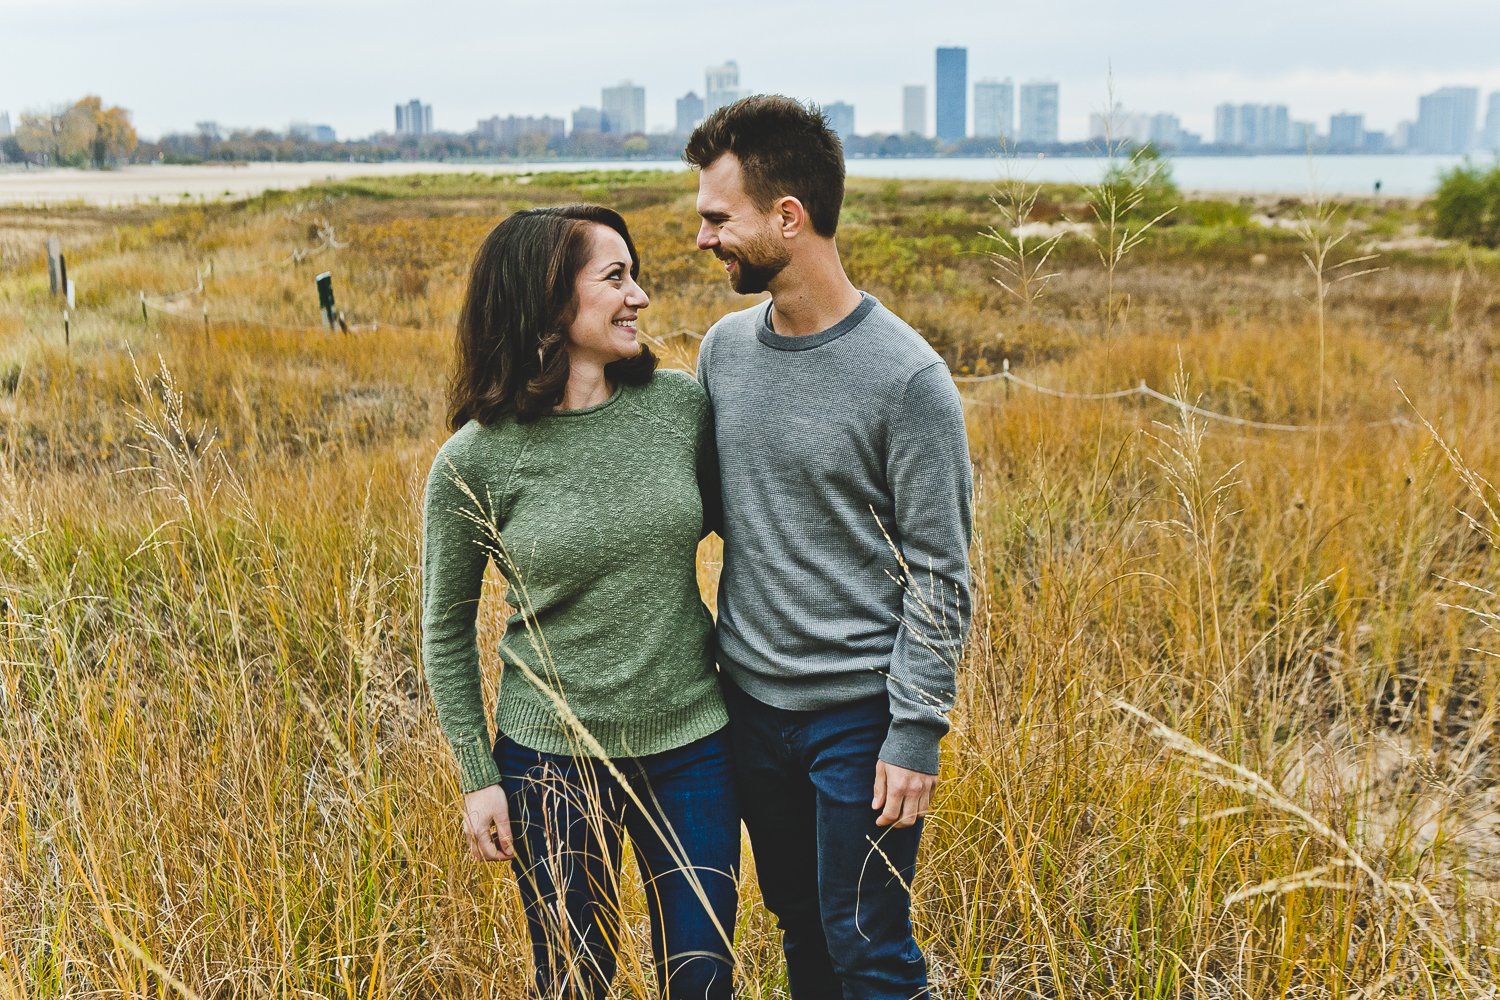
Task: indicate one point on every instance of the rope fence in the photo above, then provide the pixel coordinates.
(1141, 388)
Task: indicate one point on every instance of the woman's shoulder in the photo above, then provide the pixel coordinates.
(474, 447)
(672, 385)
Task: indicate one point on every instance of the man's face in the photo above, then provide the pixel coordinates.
(746, 239)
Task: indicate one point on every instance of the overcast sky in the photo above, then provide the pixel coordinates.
(346, 63)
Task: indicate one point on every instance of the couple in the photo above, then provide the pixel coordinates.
(824, 440)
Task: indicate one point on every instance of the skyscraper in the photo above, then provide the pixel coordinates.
(587, 120)
(1226, 125)
(1445, 120)
(995, 109)
(1346, 132)
(5, 124)
(1492, 124)
(1039, 113)
(624, 108)
(952, 87)
(413, 118)
(840, 119)
(689, 112)
(1254, 126)
(914, 109)
(721, 86)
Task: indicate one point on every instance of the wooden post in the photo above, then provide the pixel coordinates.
(1005, 373)
(67, 331)
(205, 329)
(54, 252)
(62, 274)
(145, 318)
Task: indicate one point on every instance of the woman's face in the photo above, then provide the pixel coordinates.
(603, 328)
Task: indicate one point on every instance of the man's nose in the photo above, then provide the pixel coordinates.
(707, 239)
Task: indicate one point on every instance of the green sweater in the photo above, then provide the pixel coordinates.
(594, 517)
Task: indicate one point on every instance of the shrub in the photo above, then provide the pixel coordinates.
(1467, 205)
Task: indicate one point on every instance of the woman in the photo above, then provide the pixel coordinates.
(585, 474)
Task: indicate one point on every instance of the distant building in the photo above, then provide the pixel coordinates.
(1163, 130)
(1375, 141)
(1039, 113)
(1401, 136)
(952, 85)
(1253, 126)
(1166, 131)
(1491, 124)
(721, 86)
(414, 119)
(588, 120)
(4, 125)
(305, 132)
(689, 112)
(1346, 132)
(511, 129)
(1303, 136)
(624, 108)
(1445, 120)
(1226, 122)
(995, 109)
(841, 119)
(914, 109)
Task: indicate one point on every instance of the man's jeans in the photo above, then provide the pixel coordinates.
(568, 815)
(805, 782)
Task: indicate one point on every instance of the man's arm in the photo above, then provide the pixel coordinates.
(928, 469)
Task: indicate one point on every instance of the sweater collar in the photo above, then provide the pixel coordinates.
(772, 339)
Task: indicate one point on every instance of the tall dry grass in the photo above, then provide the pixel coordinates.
(1227, 725)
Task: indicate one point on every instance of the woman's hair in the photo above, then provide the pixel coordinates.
(522, 296)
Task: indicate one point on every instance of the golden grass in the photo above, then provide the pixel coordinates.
(1224, 728)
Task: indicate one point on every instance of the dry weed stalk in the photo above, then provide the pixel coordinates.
(1020, 258)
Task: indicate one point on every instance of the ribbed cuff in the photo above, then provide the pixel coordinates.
(476, 768)
(913, 747)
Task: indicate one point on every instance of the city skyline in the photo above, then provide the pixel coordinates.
(323, 61)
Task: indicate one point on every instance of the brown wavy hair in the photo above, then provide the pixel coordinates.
(512, 357)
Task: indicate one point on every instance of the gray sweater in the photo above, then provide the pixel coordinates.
(847, 517)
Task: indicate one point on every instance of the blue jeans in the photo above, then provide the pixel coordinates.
(805, 781)
(569, 815)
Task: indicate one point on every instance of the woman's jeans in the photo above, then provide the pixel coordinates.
(569, 816)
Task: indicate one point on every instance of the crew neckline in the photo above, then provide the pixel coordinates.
(585, 411)
(781, 342)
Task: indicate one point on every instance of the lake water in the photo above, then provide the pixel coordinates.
(1292, 175)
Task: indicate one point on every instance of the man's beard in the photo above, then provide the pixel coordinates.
(757, 264)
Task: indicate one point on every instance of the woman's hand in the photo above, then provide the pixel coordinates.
(487, 824)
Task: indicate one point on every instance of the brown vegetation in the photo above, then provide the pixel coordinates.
(1225, 729)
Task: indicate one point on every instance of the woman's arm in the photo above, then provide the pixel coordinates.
(458, 532)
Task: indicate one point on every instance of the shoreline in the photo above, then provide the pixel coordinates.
(138, 185)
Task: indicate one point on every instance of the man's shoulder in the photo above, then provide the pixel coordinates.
(897, 342)
(736, 325)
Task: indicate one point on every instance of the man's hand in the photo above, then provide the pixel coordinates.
(902, 796)
(487, 824)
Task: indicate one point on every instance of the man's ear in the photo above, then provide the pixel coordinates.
(791, 216)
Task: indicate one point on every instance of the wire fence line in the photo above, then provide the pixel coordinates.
(1143, 389)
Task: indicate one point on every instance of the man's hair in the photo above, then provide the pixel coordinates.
(784, 148)
(512, 356)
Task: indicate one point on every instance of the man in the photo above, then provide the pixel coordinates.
(845, 591)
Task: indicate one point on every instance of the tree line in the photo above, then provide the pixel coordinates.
(82, 134)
